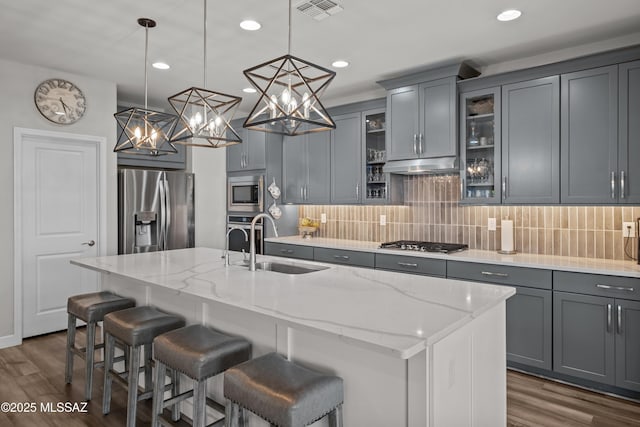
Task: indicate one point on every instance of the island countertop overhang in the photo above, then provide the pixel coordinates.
(391, 312)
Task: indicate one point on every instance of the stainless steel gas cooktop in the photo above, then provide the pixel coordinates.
(410, 245)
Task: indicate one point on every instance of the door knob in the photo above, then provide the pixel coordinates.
(90, 243)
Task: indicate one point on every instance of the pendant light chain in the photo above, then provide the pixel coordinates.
(289, 42)
(146, 49)
(205, 45)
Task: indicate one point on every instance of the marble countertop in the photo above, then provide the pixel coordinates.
(391, 312)
(549, 262)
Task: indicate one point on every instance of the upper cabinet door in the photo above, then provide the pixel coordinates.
(319, 175)
(294, 168)
(346, 161)
(438, 136)
(531, 141)
(629, 143)
(403, 123)
(254, 149)
(235, 153)
(589, 136)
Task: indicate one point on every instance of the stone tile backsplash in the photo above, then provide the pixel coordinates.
(432, 212)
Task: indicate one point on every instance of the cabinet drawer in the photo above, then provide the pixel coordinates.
(501, 274)
(409, 264)
(337, 256)
(597, 284)
(289, 251)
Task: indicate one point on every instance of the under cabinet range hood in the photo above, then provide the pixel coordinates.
(430, 166)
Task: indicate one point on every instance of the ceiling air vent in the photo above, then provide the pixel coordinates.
(319, 9)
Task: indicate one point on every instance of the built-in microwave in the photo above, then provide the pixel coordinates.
(245, 193)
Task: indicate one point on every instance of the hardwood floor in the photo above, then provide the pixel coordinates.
(34, 372)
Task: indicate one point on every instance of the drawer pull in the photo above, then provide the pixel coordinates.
(408, 264)
(489, 273)
(615, 288)
(345, 257)
(286, 251)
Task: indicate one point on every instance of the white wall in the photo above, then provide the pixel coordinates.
(17, 109)
(209, 166)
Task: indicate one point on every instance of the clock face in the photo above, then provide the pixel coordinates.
(60, 101)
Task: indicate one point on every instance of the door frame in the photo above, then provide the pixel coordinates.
(19, 135)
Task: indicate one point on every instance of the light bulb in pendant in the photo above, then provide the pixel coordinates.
(154, 136)
(285, 97)
(198, 118)
(137, 133)
(272, 106)
(306, 102)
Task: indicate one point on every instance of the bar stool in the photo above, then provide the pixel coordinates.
(199, 353)
(282, 392)
(91, 309)
(135, 328)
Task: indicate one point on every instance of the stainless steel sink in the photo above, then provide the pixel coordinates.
(288, 268)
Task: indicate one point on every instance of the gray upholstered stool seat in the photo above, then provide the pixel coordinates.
(90, 308)
(199, 353)
(282, 392)
(135, 327)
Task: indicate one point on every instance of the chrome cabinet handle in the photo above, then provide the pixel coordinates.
(89, 243)
(613, 185)
(609, 309)
(622, 184)
(420, 149)
(286, 251)
(345, 257)
(615, 288)
(408, 264)
(489, 273)
(619, 319)
(357, 191)
(302, 192)
(242, 160)
(305, 192)
(415, 142)
(504, 187)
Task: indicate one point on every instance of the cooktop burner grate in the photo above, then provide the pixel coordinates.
(411, 245)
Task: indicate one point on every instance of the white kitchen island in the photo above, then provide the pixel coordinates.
(412, 350)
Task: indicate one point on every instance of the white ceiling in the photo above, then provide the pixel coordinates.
(381, 39)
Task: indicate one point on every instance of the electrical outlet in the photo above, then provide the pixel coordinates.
(491, 224)
(323, 218)
(629, 229)
(383, 220)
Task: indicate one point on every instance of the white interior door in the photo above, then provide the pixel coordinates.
(60, 206)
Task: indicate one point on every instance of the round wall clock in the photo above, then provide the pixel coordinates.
(60, 101)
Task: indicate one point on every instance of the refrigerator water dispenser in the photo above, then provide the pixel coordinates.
(146, 236)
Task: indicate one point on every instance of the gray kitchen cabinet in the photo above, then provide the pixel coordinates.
(346, 159)
(480, 146)
(529, 327)
(597, 328)
(629, 137)
(288, 250)
(412, 264)
(345, 257)
(422, 120)
(589, 136)
(248, 155)
(531, 141)
(305, 169)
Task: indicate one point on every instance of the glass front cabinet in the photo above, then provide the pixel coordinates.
(376, 189)
(480, 146)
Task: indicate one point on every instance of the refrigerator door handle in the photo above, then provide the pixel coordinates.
(167, 211)
(163, 225)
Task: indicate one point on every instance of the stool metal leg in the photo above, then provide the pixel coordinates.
(199, 403)
(89, 356)
(158, 393)
(71, 339)
(132, 395)
(108, 365)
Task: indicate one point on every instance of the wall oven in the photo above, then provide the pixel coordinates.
(245, 193)
(236, 237)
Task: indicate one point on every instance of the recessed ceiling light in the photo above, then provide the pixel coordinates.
(249, 90)
(250, 25)
(509, 15)
(160, 65)
(340, 64)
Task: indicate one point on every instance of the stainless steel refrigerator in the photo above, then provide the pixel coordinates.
(155, 210)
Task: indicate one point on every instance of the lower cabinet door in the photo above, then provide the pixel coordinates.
(529, 327)
(583, 336)
(627, 314)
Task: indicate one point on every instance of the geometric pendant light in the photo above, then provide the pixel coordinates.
(144, 131)
(290, 89)
(204, 116)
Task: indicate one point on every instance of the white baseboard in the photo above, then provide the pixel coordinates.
(10, 341)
